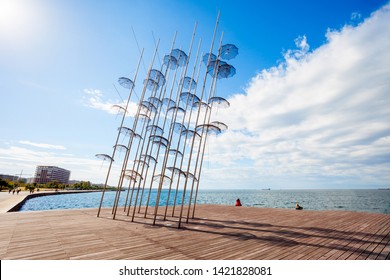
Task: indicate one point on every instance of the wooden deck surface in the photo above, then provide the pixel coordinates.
(217, 232)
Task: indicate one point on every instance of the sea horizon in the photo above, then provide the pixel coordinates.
(361, 200)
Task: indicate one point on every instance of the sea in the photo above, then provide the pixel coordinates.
(373, 200)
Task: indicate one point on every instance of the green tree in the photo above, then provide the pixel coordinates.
(30, 187)
(3, 184)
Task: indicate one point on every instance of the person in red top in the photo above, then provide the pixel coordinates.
(238, 202)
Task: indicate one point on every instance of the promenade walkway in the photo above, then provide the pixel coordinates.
(9, 200)
(218, 232)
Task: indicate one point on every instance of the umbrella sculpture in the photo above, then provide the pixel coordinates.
(164, 140)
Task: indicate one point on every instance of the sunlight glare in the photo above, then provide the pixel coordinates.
(19, 21)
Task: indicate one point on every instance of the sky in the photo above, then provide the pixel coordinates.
(309, 102)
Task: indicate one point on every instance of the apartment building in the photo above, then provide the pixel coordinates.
(45, 174)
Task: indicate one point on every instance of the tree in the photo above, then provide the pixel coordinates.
(30, 187)
(3, 184)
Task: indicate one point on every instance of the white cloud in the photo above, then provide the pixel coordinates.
(94, 99)
(323, 113)
(42, 145)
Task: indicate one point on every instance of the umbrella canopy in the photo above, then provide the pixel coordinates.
(191, 133)
(201, 104)
(104, 157)
(208, 57)
(128, 132)
(228, 51)
(189, 175)
(155, 101)
(170, 61)
(176, 108)
(126, 82)
(165, 179)
(220, 125)
(180, 56)
(188, 98)
(148, 158)
(141, 163)
(176, 171)
(133, 173)
(143, 117)
(178, 127)
(219, 102)
(157, 76)
(148, 107)
(175, 152)
(168, 102)
(188, 83)
(158, 139)
(221, 69)
(121, 147)
(155, 80)
(208, 128)
(131, 178)
(119, 108)
(154, 129)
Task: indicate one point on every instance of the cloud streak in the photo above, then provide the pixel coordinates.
(320, 113)
(42, 145)
(93, 98)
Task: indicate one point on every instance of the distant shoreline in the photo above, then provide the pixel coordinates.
(19, 205)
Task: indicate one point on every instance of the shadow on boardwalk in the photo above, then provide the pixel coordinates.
(344, 234)
(218, 232)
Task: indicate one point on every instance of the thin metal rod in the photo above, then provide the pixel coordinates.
(203, 141)
(186, 136)
(154, 94)
(157, 154)
(139, 151)
(207, 118)
(155, 122)
(117, 138)
(190, 156)
(171, 131)
(180, 136)
(131, 138)
(158, 148)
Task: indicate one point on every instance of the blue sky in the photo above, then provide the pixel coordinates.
(309, 100)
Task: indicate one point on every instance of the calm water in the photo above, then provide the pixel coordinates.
(353, 200)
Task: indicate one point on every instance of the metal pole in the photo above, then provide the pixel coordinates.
(138, 158)
(203, 141)
(117, 138)
(185, 139)
(204, 84)
(171, 132)
(158, 149)
(155, 122)
(131, 138)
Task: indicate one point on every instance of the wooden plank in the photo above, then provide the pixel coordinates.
(218, 232)
(356, 237)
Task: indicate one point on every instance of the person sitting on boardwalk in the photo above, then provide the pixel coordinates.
(298, 207)
(238, 202)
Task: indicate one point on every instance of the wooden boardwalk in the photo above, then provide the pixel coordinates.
(218, 232)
